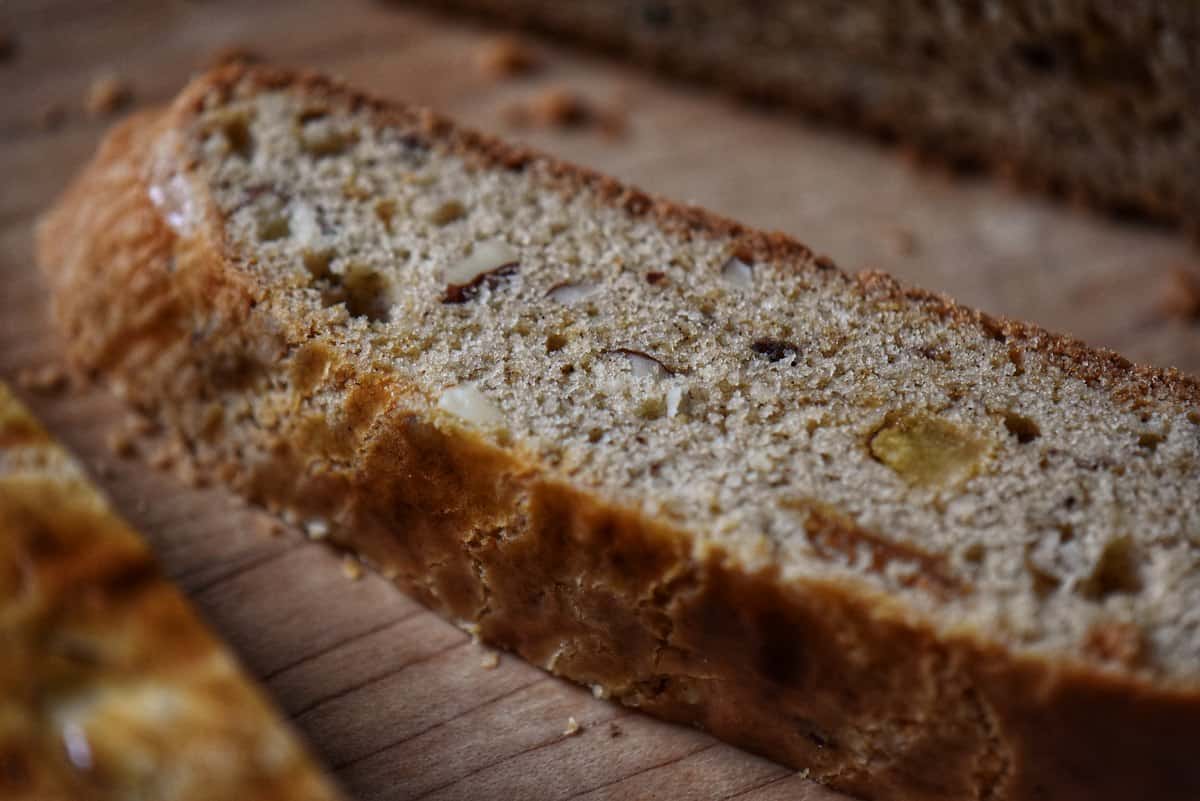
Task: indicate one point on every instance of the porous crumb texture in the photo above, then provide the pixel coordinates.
(741, 400)
(921, 552)
(1084, 97)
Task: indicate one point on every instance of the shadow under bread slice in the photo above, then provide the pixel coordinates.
(111, 688)
(917, 551)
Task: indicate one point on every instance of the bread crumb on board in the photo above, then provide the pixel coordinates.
(120, 443)
(233, 53)
(351, 567)
(1181, 294)
(46, 379)
(562, 108)
(107, 94)
(506, 56)
(572, 728)
(490, 660)
(903, 241)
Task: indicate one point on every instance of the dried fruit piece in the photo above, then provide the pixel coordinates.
(926, 450)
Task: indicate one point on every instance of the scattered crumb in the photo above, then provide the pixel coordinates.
(559, 107)
(107, 94)
(52, 116)
(599, 691)
(612, 122)
(120, 443)
(505, 57)
(1181, 294)
(8, 46)
(351, 568)
(48, 379)
(232, 54)
(562, 108)
(316, 529)
(903, 241)
(614, 731)
(572, 727)
(271, 527)
(490, 660)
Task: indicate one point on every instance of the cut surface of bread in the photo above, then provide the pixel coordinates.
(110, 686)
(918, 551)
(1085, 98)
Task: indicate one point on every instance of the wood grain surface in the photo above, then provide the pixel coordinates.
(401, 704)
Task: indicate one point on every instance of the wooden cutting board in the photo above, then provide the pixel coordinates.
(399, 703)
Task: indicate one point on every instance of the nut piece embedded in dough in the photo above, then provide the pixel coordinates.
(927, 451)
(466, 402)
(738, 273)
(568, 292)
(643, 365)
(491, 258)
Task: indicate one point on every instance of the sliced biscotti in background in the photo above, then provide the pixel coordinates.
(110, 685)
(917, 551)
(1093, 100)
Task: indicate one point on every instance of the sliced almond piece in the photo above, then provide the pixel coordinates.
(466, 402)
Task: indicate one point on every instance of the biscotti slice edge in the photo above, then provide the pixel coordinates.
(110, 685)
(1092, 101)
(917, 551)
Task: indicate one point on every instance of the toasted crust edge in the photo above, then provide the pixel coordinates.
(803, 672)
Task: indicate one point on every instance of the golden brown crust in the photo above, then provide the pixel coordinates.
(826, 676)
(110, 686)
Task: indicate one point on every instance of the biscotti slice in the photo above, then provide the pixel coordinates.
(1091, 99)
(111, 689)
(916, 551)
